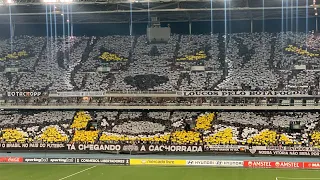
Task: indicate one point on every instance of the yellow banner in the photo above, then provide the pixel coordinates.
(161, 162)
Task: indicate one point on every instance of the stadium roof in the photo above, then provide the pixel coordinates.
(118, 11)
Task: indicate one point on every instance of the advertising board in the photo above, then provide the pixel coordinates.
(273, 164)
(215, 163)
(311, 165)
(161, 162)
(102, 161)
(11, 159)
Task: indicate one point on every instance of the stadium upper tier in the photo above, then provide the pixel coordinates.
(246, 61)
(160, 127)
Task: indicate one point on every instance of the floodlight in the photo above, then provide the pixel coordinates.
(66, 1)
(10, 2)
(50, 1)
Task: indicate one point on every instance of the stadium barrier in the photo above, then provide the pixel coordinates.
(161, 162)
(165, 162)
(39, 160)
(143, 148)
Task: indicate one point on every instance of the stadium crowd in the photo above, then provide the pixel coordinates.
(161, 127)
(243, 61)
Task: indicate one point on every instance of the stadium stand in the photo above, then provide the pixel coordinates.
(242, 61)
(250, 61)
(161, 127)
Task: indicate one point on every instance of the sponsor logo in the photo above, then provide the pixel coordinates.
(215, 163)
(36, 160)
(61, 160)
(272, 164)
(312, 165)
(164, 162)
(11, 159)
(103, 161)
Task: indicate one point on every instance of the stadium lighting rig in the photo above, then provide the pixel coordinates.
(314, 4)
(6, 2)
(57, 1)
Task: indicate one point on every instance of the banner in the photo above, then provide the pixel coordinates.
(273, 164)
(134, 148)
(141, 148)
(32, 146)
(162, 162)
(285, 151)
(78, 94)
(101, 147)
(215, 163)
(244, 93)
(226, 148)
(24, 94)
(11, 159)
(102, 161)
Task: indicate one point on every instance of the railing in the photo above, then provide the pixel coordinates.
(189, 106)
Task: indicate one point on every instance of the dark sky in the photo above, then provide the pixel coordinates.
(180, 28)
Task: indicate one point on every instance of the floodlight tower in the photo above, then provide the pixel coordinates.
(314, 4)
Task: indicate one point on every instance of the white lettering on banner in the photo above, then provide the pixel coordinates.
(38, 160)
(94, 147)
(227, 148)
(259, 164)
(61, 160)
(284, 148)
(80, 94)
(288, 153)
(287, 164)
(244, 93)
(109, 161)
(214, 163)
(173, 148)
(31, 145)
(24, 94)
